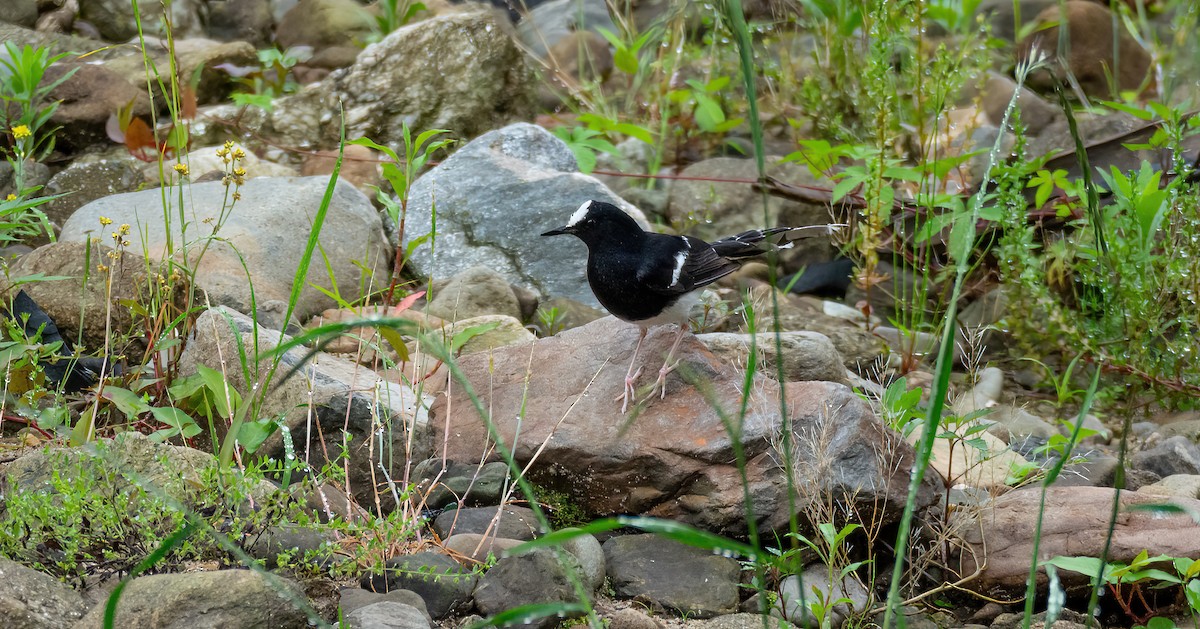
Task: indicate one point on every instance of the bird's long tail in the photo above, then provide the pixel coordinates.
(756, 242)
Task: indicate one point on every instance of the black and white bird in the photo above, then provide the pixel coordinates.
(654, 279)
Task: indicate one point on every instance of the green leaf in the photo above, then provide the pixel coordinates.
(462, 337)
(634, 131)
(129, 403)
(1088, 566)
(708, 112)
(625, 60)
(224, 396)
(179, 421)
(252, 434)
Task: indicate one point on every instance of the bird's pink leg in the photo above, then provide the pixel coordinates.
(631, 376)
(667, 366)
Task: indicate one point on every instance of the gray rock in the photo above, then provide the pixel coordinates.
(233, 599)
(34, 173)
(474, 292)
(540, 576)
(590, 554)
(514, 523)
(985, 394)
(460, 71)
(173, 470)
(85, 181)
(269, 228)
(387, 615)
(353, 598)
(1184, 485)
(116, 21)
(19, 12)
(249, 21)
(550, 22)
(304, 544)
(634, 618)
(441, 582)
(349, 401)
(1173, 455)
(1067, 619)
(1013, 424)
(32, 600)
(471, 483)
(671, 575)
(743, 621)
(488, 332)
(493, 197)
(478, 547)
(73, 304)
(324, 24)
(806, 355)
(1189, 428)
(1036, 112)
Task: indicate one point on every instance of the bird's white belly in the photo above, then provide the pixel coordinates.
(677, 312)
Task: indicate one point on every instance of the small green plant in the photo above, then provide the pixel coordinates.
(832, 549)
(270, 79)
(393, 14)
(1135, 584)
(586, 144)
(24, 109)
(401, 173)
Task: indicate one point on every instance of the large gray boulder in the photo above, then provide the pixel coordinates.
(493, 198)
(461, 72)
(266, 231)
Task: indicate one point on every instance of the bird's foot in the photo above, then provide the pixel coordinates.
(661, 383)
(629, 393)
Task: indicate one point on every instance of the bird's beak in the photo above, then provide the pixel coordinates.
(558, 232)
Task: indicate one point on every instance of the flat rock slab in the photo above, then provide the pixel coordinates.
(269, 228)
(225, 599)
(672, 576)
(513, 523)
(1075, 525)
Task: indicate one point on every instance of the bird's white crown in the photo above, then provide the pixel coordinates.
(580, 214)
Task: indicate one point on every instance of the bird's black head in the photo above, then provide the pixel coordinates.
(596, 220)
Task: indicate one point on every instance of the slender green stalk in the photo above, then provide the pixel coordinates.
(945, 364)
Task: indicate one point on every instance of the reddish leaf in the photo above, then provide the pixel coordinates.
(139, 136)
(407, 302)
(187, 102)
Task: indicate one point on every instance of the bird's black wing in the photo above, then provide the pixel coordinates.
(756, 242)
(675, 265)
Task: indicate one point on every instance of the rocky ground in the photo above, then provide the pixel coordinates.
(534, 350)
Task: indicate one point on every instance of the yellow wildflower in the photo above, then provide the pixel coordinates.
(105, 221)
(182, 169)
(21, 132)
(101, 267)
(10, 197)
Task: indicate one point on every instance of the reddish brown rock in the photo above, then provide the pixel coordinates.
(1075, 524)
(670, 458)
(1091, 58)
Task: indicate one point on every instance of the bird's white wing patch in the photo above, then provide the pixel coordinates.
(579, 214)
(680, 259)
